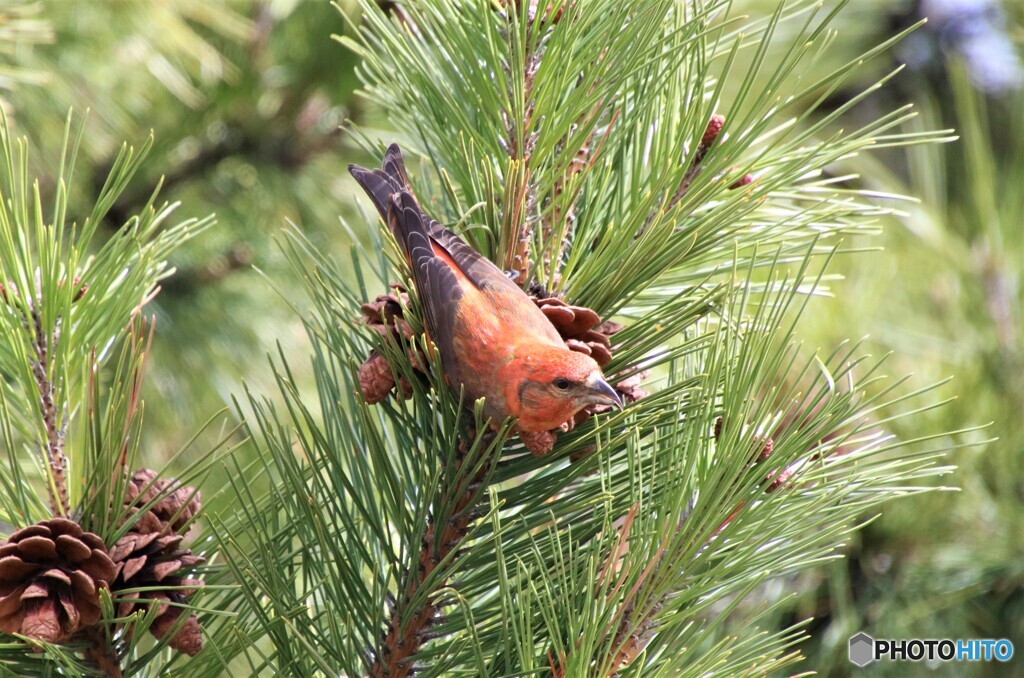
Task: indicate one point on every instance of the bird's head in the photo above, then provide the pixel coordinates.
(555, 384)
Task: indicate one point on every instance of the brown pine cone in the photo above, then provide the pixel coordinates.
(177, 504)
(375, 378)
(629, 388)
(538, 443)
(382, 313)
(190, 636)
(50, 577)
(385, 315)
(149, 562)
(580, 327)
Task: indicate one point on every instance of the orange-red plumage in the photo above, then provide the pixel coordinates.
(493, 340)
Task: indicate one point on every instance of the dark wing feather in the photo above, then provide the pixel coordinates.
(443, 268)
(438, 287)
(485, 275)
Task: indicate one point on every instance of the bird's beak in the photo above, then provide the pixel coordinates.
(601, 393)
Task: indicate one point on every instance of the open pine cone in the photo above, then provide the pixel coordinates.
(580, 327)
(151, 557)
(50, 577)
(386, 316)
(169, 514)
(153, 561)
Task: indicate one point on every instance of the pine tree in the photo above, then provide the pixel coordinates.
(658, 164)
(244, 101)
(672, 182)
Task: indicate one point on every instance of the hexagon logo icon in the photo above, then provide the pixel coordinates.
(862, 649)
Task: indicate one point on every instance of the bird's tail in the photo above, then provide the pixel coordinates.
(381, 184)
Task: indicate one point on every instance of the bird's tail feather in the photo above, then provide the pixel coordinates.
(381, 184)
(409, 225)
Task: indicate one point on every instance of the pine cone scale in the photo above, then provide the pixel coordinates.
(11, 602)
(592, 336)
(38, 548)
(579, 346)
(72, 611)
(57, 575)
(600, 354)
(99, 566)
(163, 570)
(37, 530)
(34, 591)
(13, 567)
(558, 315)
(73, 549)
(82, 583)
(583, 320)
(65, 526)
(132, 566)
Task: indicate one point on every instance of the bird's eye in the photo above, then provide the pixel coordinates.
(562, 383)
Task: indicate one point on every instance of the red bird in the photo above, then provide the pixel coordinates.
(493, 340)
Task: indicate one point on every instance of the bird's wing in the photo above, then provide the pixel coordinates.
(437, 280)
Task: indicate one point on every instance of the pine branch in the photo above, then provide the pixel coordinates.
(706, 298)
(520, 194)
(633, 636)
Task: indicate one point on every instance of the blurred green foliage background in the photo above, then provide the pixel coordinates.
(248, 101)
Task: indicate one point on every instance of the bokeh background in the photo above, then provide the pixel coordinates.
(251, 102)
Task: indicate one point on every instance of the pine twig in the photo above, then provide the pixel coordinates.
(711, 132)
(519, 144)
(633, 636)
(56, 430)
(400, 643)
(584, 159)
(100, 654)
(520, 204)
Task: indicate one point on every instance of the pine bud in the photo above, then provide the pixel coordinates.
(712, 130)
(745, 180)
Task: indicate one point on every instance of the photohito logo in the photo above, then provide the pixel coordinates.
(864, 649)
